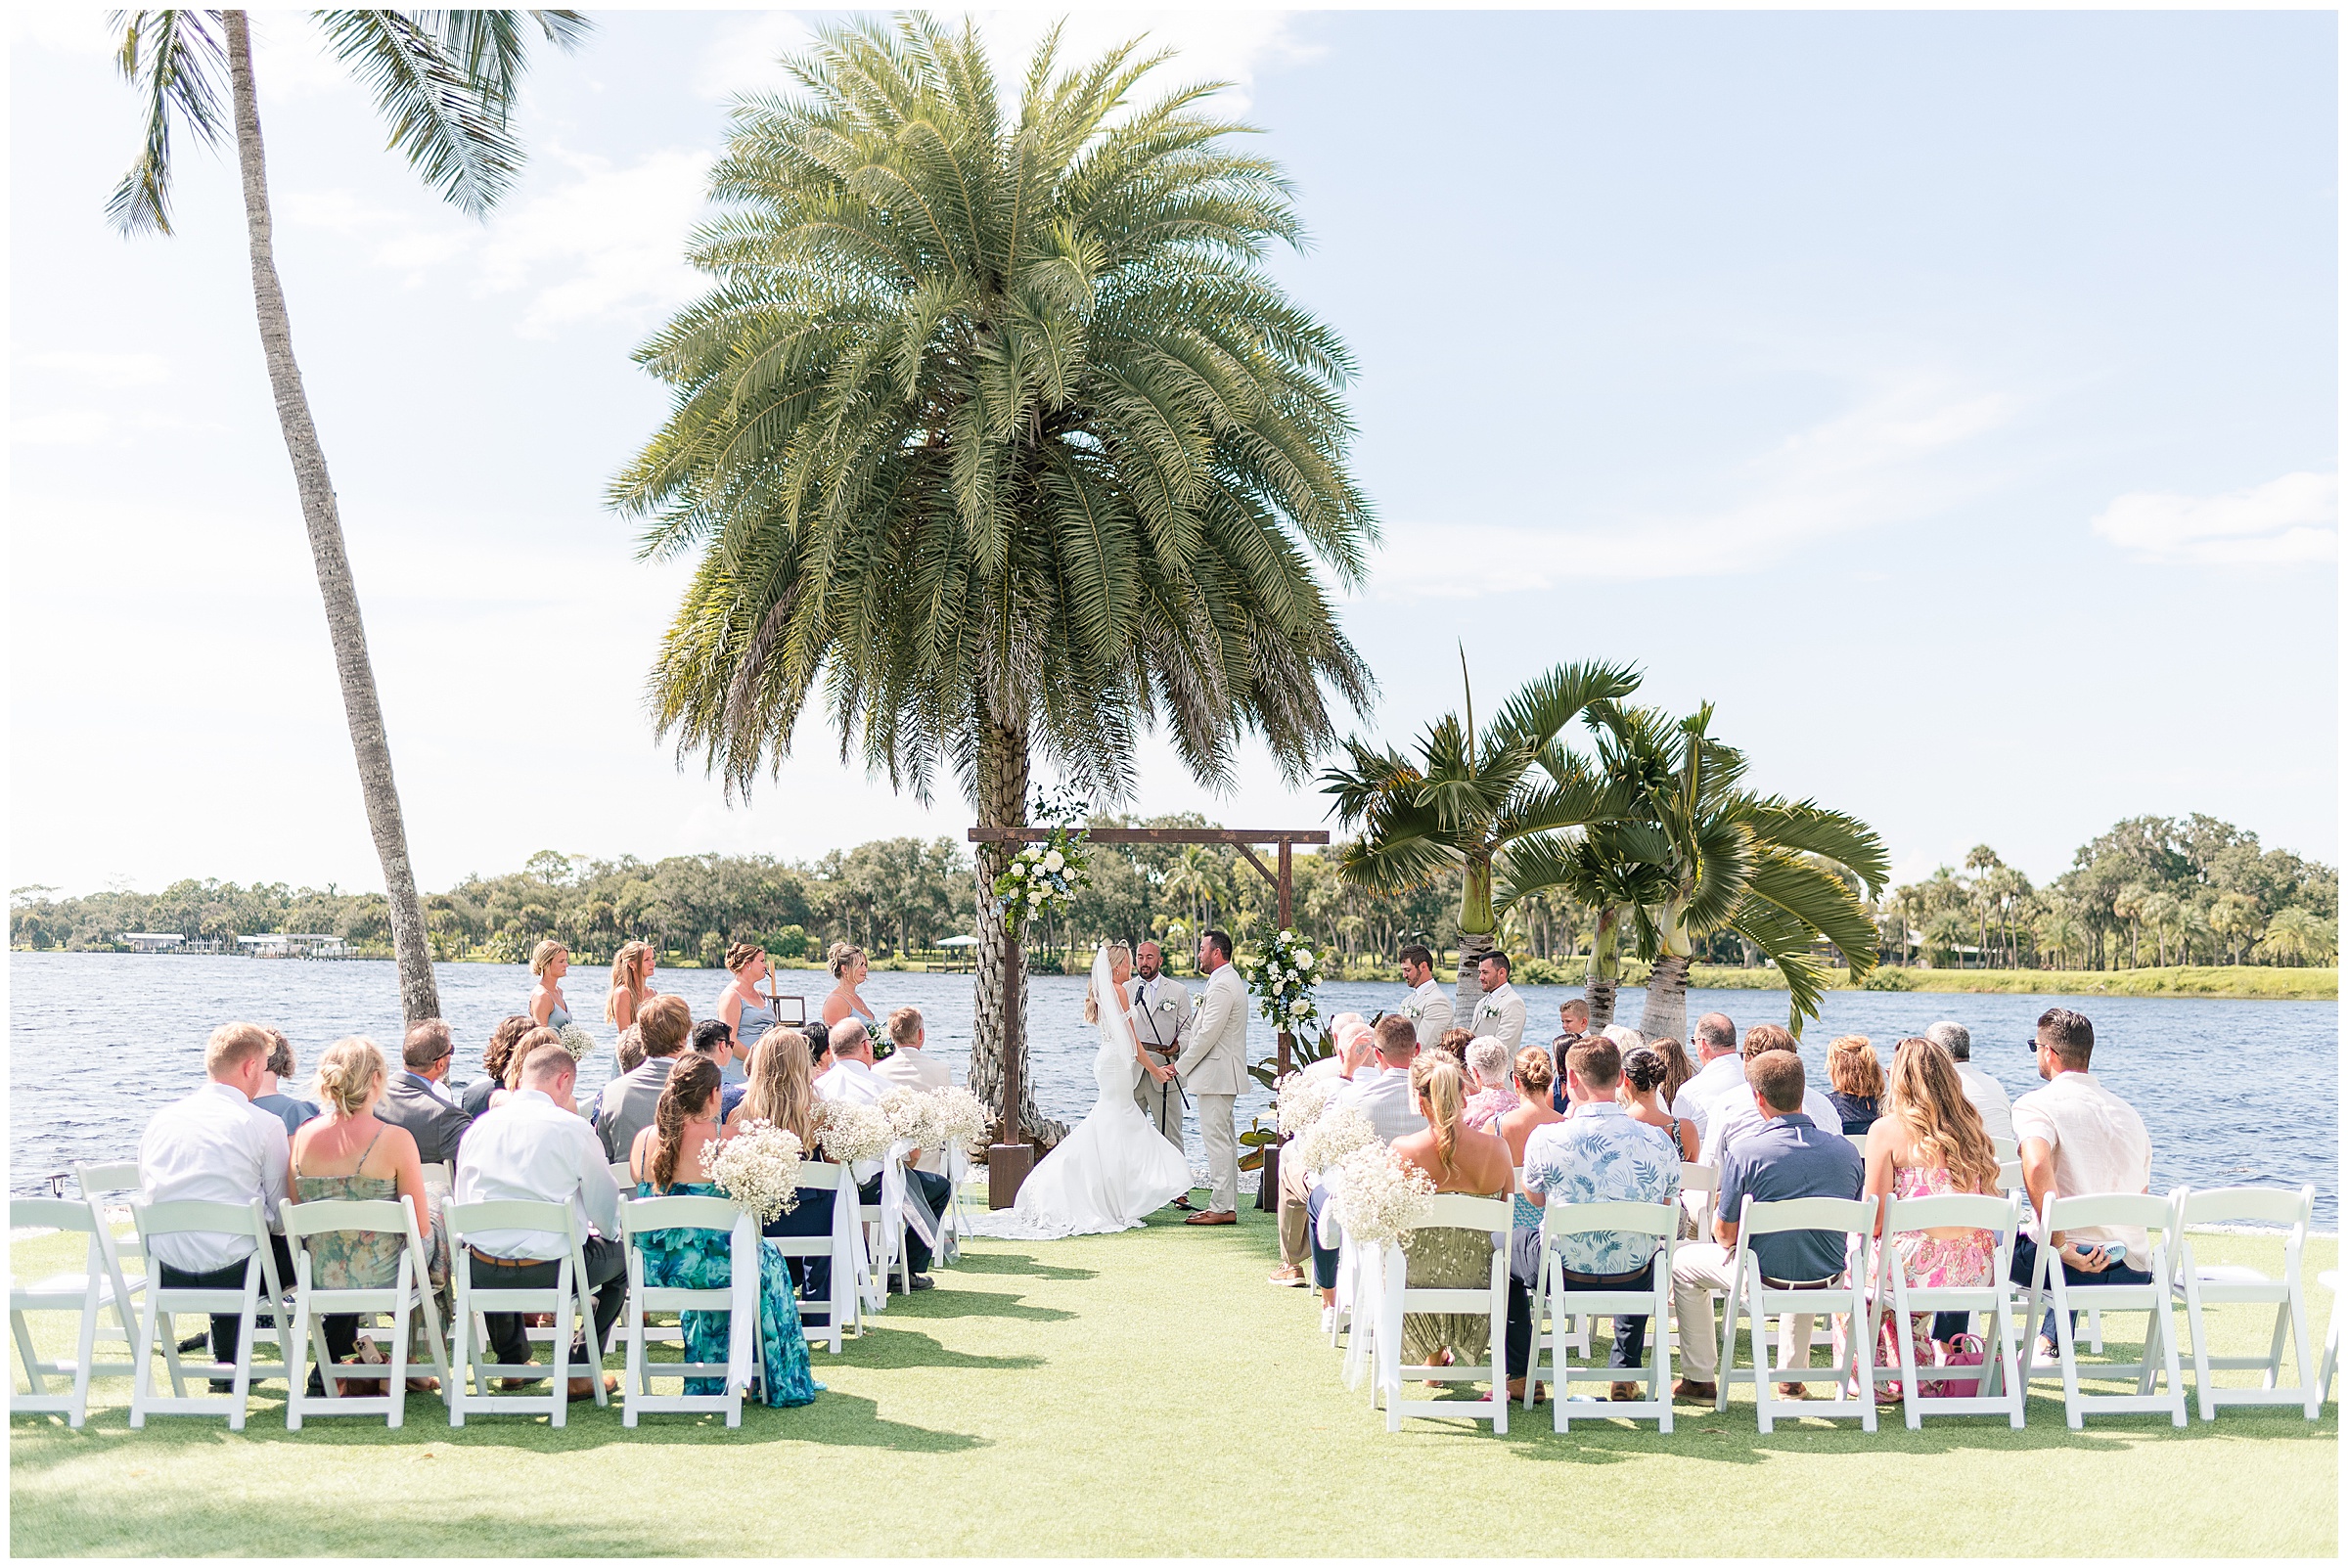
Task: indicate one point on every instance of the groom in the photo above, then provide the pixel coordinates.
(1213, 1066)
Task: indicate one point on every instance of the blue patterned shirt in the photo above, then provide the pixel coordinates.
(1599, 1155)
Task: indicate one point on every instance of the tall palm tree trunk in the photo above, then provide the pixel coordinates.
(1665, 1015)
(998, 1030)
(419, 997)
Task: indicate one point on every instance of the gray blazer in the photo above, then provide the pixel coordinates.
(629, 1102)
(435, 1124)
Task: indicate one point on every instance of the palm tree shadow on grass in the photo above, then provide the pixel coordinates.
(1019, 1263)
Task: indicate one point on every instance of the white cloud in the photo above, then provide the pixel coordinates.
(1886, 460)
(108, 372)
(609, 241)
(2285, 522)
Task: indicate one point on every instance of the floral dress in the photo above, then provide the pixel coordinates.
(1444, 1258)
(1927, 1262)
(369, 1259)
(686, 1258)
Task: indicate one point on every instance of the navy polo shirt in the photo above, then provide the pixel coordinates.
(1789, 1156)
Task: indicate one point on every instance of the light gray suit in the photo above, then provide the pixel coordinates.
(1433, 1004)
(1213, 1066)
(1161, 1020)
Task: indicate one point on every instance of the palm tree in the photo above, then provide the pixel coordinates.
(1470, 800)
(2159, 911)
(995, 432)
(2129, 904)
(445, 81)
(1196, 878)
(1718, 857)
(2060, 933)
(2296, 936)
(2234, 917)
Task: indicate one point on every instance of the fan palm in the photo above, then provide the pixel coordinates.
(445, 81)
(1467, 800)
(995, 431)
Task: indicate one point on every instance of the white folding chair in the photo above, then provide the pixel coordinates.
(409, 1293)
(701, 1213)
(1553, 1294)
(2329, 1280)
(2006, 1149)
(884, 1238)
(469, 1383)
(2049, 1283)
(259, 1294)
(838, 1248)
(89, 1294)
(1752, 1292)
(2208, 1284)
(1997, 1386)
(114, 1185)
(1450, 1211)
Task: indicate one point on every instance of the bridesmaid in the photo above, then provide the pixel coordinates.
(549, 960)
(631, 983)
(741, 1008)
(849, 967)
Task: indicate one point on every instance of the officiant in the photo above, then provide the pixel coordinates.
(1162, 1013)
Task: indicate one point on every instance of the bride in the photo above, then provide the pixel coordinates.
(1115, 1169)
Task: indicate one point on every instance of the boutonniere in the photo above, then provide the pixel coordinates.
(1412, 1011)
(1165, 1004)
(1486, 1007)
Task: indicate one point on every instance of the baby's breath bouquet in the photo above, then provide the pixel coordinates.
(577, 1041)
(911, 1117)
(758, 1168)
(1333, 1135)
(963, 1119)
(1302, 1099)
(1380, 1195)
(850, 1133)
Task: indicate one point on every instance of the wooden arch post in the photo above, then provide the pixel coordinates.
(1011, 1157)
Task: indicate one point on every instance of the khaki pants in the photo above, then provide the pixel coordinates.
(1161, 1103)
(1697, 1269)
(1221, 1136)
(1295, 1245)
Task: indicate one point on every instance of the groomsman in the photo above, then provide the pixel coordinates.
(1162, 1013)
(1426, 1006)
(1501, 1012)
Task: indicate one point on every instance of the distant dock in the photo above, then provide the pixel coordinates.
(267, 944)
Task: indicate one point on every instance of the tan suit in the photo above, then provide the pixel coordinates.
(1213, 1066)
(1161, 1016)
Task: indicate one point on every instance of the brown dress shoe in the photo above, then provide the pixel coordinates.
(584, 1387)
(1793, 1391)
(1286, 1275)
(1624, 1393)
(1213, 1217)
(1689, 1390)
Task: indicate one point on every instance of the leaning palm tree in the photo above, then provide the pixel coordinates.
(1470, 800)
(445, 81)
(995, 432)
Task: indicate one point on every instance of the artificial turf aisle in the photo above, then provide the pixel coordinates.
(1147, 1394)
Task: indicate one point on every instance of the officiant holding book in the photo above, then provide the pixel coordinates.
(1161, 1014)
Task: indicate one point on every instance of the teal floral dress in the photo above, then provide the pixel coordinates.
(686, 1258)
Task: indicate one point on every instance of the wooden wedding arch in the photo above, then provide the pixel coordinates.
(1010, 1156)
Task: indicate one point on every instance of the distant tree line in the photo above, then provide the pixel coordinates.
(2150, 891)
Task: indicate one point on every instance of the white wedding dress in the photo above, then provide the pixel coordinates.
(1115, 1169)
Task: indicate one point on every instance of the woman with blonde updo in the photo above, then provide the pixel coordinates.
(631, 983)
(1461, 1159)
(741, 1009)
(348, 1155)
(849, 967)
(549, 960)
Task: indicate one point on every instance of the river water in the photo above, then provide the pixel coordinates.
(2233, 1092)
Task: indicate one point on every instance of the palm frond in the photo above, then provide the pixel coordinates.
(445, 106)
(179, 66)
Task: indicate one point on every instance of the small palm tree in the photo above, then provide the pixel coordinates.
(2233, 918)
(2297, 937)
(2059, 933)
(445, 81)
(1470, 800)
(995, 437)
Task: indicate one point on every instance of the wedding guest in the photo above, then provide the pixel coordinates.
(217, 1146)
(1454, 1044)
(1676, 1071)
(415, 1099)
(780, 1090)
(531, 1040)
(665, 1160)
(741, 1008)
(549, 960)
(1719, 1071)
(1427, 1005)
(1988, 1096)
(1928, 1142)
(1459, 1159)
(851, 1078)
(1535, 1078)
(632, 969)
(819, 1045)
(630, 1048)
(280, 1070)
(1790, 1155)
(1855, 1080)
(1501, 1010)
(1488, 1073)
(1599, 1153)
(712, 1039)
(629, 1100)
(1732, 1117)
(1643, 1075)
(1386, 1099)
(351, 1155)
(910, 1067)
(497, 1058)
(2077, 1136)
(1350, 1037)
(848, 966)
(536, 1148)
(1573, 1017)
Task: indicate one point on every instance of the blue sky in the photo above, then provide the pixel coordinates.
(1950, 399)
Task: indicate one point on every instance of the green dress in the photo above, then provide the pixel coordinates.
(690, 1259)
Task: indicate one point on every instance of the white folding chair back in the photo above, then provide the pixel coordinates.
(838, 1248)
(87, 1295)
(2329, 1280)
(622, 1176)
(1751, 1293)
(701, 1213)
(2009, 1176)
(1997, 1386)
(884, 1241)
(1554, 1295)
(2206, 1286)
(1447, 1211)
(2006, 1149)
(259, 1294)
(1700, 1186)
(408, 1294)
(568, 1298)
(2050, 1281)
(113, 1185)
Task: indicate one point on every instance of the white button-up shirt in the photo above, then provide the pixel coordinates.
(857, 1085)
(1720, 1076)
(1989, 1099)
(2099, 1146)
(531, 1150)
(221, 1147)
(1384, 1098)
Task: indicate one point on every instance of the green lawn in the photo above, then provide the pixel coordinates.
(1147, 1394)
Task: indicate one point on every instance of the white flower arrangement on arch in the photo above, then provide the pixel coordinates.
(1284, 978)
(1046, 877)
